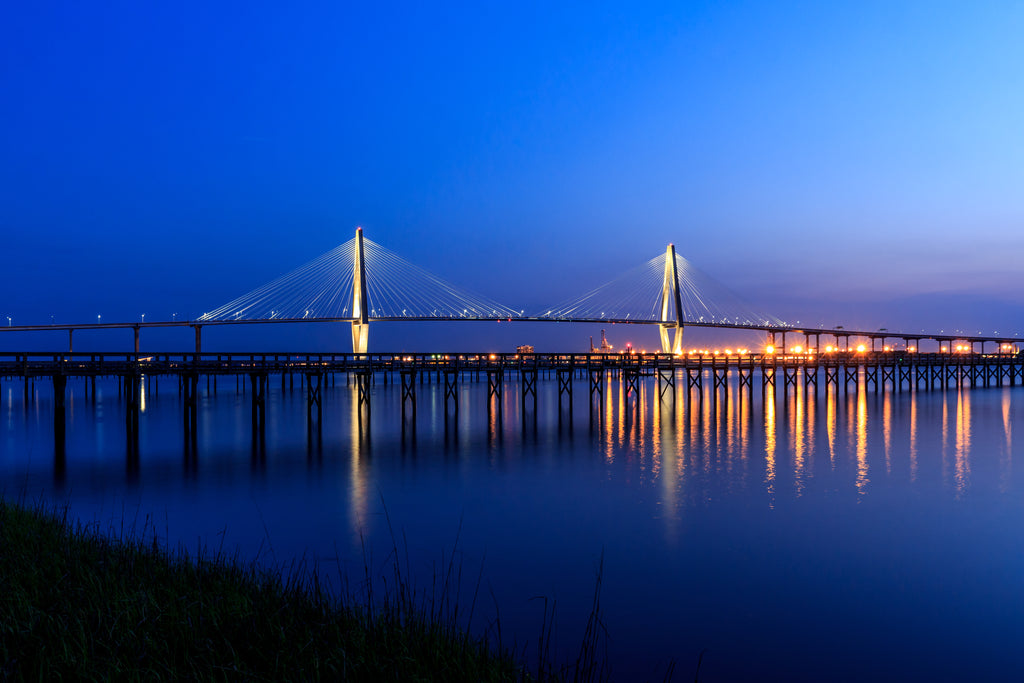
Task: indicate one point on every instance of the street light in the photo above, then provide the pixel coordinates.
(143, 317)
(8, 321)
(98, 319)
(173, 316)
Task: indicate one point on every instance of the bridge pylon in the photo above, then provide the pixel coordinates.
(360, 302)
(671, 306)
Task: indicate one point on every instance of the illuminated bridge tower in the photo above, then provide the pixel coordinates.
(671, 306)
(360, 303)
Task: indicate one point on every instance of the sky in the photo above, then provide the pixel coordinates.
(832, 163)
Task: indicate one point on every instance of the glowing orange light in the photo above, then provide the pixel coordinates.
(769, 349)
(829, 349)
(798, 349)
(861, 348)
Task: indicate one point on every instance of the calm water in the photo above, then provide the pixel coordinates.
(856, 536)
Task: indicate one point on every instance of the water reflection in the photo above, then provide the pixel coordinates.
(727, 490)
(945, 441)
(913, 440)
(887, 431)
(769, 448)
(962, 455)
(830, 424)
(1006, 462)
(359, 448)
(859, 439)
(797, 430)
(689, 444)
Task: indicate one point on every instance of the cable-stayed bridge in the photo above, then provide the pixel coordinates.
(361, 282)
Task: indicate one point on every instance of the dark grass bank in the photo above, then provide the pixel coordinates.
(77, 605)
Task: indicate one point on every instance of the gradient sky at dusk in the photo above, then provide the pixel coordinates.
(857, 163)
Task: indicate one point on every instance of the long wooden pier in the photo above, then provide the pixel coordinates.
(897, 371)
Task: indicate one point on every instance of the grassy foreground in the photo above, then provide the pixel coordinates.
(75, 605)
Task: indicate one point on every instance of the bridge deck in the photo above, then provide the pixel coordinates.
(42, 364)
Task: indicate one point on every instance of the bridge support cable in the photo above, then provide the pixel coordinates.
(358, 282)
(671, 307)
(667, 290)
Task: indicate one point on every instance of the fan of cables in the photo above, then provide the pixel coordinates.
(323, 289)
(636, 296)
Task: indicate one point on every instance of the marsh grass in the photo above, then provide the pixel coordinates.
(77, 604)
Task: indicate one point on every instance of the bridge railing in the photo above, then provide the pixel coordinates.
(22, 364)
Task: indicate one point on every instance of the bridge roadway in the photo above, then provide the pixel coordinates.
(777, 334)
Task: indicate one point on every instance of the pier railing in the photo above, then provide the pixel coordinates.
(92, 364)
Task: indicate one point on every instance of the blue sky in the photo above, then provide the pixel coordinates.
(837, 163)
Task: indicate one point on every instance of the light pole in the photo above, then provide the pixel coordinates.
(8, 321)
(143, 317)
(98, 319)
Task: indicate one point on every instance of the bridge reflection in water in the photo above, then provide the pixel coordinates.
(674, 418)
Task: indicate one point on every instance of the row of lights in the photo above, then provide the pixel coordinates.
(99, 319)
(799, 349)
(862, 348)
